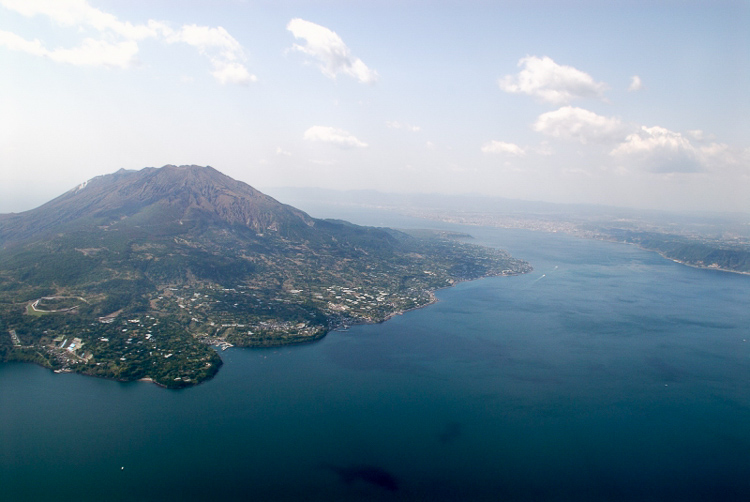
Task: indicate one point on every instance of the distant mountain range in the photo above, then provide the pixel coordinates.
(133, 274)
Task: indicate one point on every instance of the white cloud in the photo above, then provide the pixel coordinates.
(400, 125)
(658, 149)
(90, 53)
(635, 84)
(221, 48)
(503, 147)
(699, 135)
(328, 48)
(573, 123)
(717, 150)
(223, 51)
(334, 136)
(281, 151)
(16, 43)
(654, 149)
(205, 38)
(80, 13)
(649, 139)
(97, 53)
(232, 73)
(551, 82)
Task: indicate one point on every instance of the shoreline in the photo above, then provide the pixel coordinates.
(433, 299)
(667, 257)
(578, 234)
(699, 267)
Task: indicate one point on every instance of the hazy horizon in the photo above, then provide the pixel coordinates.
(631, 104)
(320, 197)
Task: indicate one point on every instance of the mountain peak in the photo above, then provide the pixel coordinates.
(157, 197)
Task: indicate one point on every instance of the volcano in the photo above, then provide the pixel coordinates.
(191, 257)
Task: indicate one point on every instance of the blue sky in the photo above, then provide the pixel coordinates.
(638, 104)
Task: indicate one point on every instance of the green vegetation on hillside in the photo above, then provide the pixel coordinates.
(134, 318)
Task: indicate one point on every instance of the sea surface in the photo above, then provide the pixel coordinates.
(607, 374)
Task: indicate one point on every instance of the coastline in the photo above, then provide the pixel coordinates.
(217, 344)
(434, 299)
(675, 260)
(700, 267)
(583, 235)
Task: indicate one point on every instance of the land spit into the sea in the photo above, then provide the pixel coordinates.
(74, 356)
(338, 321)
(341, 324)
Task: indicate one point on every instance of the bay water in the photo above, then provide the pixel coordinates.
(608, 373)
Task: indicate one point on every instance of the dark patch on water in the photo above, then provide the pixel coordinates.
(451, 432)
(666, 371)
(367, 473)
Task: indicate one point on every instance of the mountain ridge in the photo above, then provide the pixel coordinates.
(180, 190)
